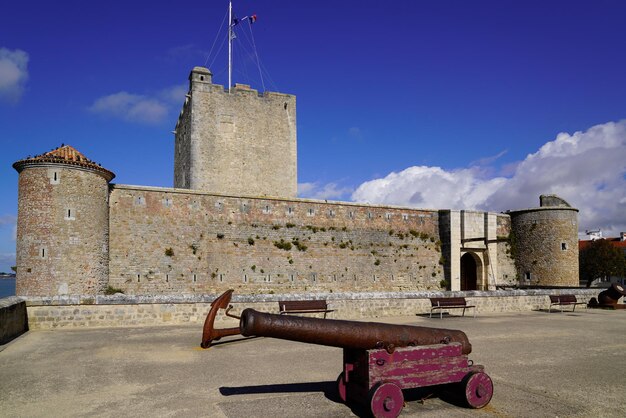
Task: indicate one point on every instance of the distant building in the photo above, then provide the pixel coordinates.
(617, 242)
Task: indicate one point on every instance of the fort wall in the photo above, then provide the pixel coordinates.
(173, 241)
(13, 318)
(505, 259)
(107, 311)
(233, 221)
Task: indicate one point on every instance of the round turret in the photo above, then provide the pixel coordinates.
(62, 225)
(545, 241)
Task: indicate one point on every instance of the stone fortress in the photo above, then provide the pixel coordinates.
(233, 221)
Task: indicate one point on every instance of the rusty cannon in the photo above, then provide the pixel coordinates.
(380, 360)
(608, 298)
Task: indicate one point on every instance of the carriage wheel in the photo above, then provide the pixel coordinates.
(341, 387)
(386, 400)
(478, 389)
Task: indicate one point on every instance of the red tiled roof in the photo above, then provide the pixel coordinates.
(614, 242)
(65, 154)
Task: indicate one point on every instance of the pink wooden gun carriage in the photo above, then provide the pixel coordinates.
(379, 360)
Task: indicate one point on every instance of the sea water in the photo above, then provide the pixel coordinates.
(7, 287)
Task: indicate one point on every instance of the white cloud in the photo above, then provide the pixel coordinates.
(140, 108)
(355, 132)
(7, 219)
(13, 74)
(7, 259)
(586, 168)
(11, 221)
(323, 192)
(174, 95)
(488, 160)
(429, 187)
(130, 107)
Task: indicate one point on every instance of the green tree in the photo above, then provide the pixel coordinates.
(601, 260)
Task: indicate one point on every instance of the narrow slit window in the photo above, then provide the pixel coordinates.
(54, 177)
(195, 278)
(69, 214)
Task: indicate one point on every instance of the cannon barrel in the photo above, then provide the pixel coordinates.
(346, 334)
(611, 295)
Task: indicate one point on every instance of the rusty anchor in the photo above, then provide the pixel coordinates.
(209, 332)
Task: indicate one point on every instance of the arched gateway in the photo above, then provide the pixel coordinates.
(469, 271)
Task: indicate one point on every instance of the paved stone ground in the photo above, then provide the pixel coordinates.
(542, 365)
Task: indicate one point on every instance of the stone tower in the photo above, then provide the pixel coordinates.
(545, 243)
(238, 143)
(63, 225)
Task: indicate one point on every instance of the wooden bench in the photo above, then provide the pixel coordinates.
(564, 300)
(303, 306)
(449, 303)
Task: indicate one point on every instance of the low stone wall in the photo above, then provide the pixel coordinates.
(13, 319)
(120, 310)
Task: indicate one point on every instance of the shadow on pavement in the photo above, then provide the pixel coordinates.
(451, 394)
(329, 389)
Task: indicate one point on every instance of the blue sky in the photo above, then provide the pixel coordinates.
(437, 104)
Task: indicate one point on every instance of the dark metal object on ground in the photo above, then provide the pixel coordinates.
(209, 332)
(608, 298)
(380, 360)
(346, 334)
(611, 295)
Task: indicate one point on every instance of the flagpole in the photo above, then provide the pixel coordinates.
(230, 44)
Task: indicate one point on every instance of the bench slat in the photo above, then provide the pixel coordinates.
(450, 303)
(564, 300)
(304, 306)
